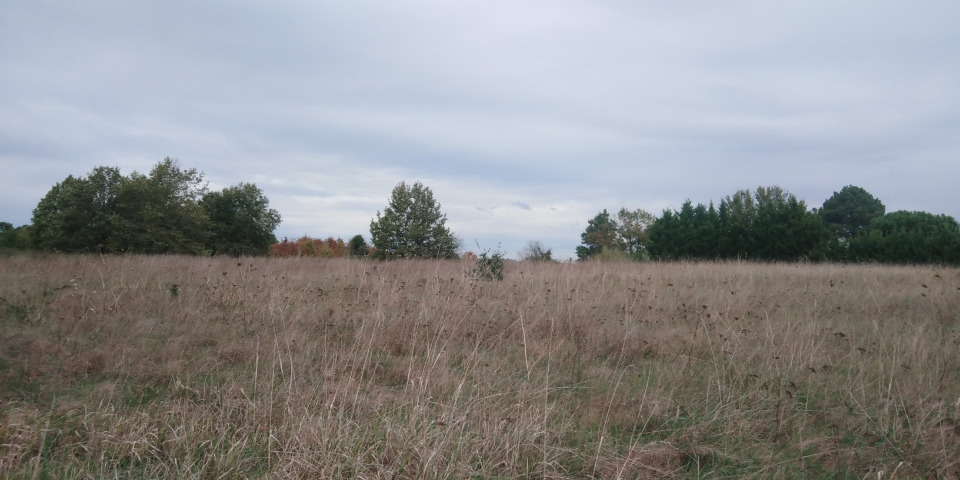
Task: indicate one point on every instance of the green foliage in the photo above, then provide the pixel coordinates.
(849, 212)
(5, 229)
(12, 238)
(77, 214)
(613, 255)
(623, 238)
(536, 252)
(489, 266)
(908, 237)
(358, 246)
(662, 234)
(632, 227)
(160, 213)
(601, 233)
(769, 224)
(167, 211)
(242, 220)
(412, 226)
(737, 215)
(690, 233)
(785, 229)
(701, 227)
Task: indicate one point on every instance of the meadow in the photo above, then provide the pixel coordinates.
(189, 367)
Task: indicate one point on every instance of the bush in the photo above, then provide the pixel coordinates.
(613, 255)
(536, 252)
(489, 266)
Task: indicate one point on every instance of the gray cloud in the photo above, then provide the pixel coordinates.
(543, 113)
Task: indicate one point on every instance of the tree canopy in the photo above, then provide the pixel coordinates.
(243, 222)
(15, 238)
(536, 252)
(771, 224)
(768, 224)
(358, 246)
(632, 227)
(412, 226)
(616, 238)
(690, 233)
(601, 233)
(77, 214)
(160, 212)
(170, 210)
(908, 237)
(850, 211)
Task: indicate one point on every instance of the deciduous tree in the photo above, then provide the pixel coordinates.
(78, 214)
(241, 219)
(632, 227)
(15, 238)
(167, 211)
(536, 252)
(160, 212)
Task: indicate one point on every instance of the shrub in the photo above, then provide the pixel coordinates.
(489, 266)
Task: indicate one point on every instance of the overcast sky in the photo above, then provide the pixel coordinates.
(525, 118)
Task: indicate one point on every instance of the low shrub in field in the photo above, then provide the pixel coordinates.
(489, 266)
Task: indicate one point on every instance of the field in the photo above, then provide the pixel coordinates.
(180, 367)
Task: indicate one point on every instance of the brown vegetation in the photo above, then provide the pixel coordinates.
(184, 367)
(310, 247)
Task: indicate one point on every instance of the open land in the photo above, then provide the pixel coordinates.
(187, 367)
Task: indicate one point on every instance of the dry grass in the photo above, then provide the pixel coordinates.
(175, 367)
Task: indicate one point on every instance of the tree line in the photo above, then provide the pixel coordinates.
(770, 224)
(171, 210)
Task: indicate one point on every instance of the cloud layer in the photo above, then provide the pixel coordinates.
(526, 118)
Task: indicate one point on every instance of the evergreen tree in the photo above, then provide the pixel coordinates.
(699, 231)
(412, 226)
(358, 246)
(664, 237)
(737, 216)
(850, 211)
(909, 237)
(785, 229)
(601, 234)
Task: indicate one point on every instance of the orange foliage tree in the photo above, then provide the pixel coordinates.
(310, 247)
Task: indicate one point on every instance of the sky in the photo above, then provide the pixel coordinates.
(525, 118)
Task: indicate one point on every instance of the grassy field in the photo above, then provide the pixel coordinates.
(177, 367)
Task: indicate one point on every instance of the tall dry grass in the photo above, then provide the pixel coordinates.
(184, 367)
